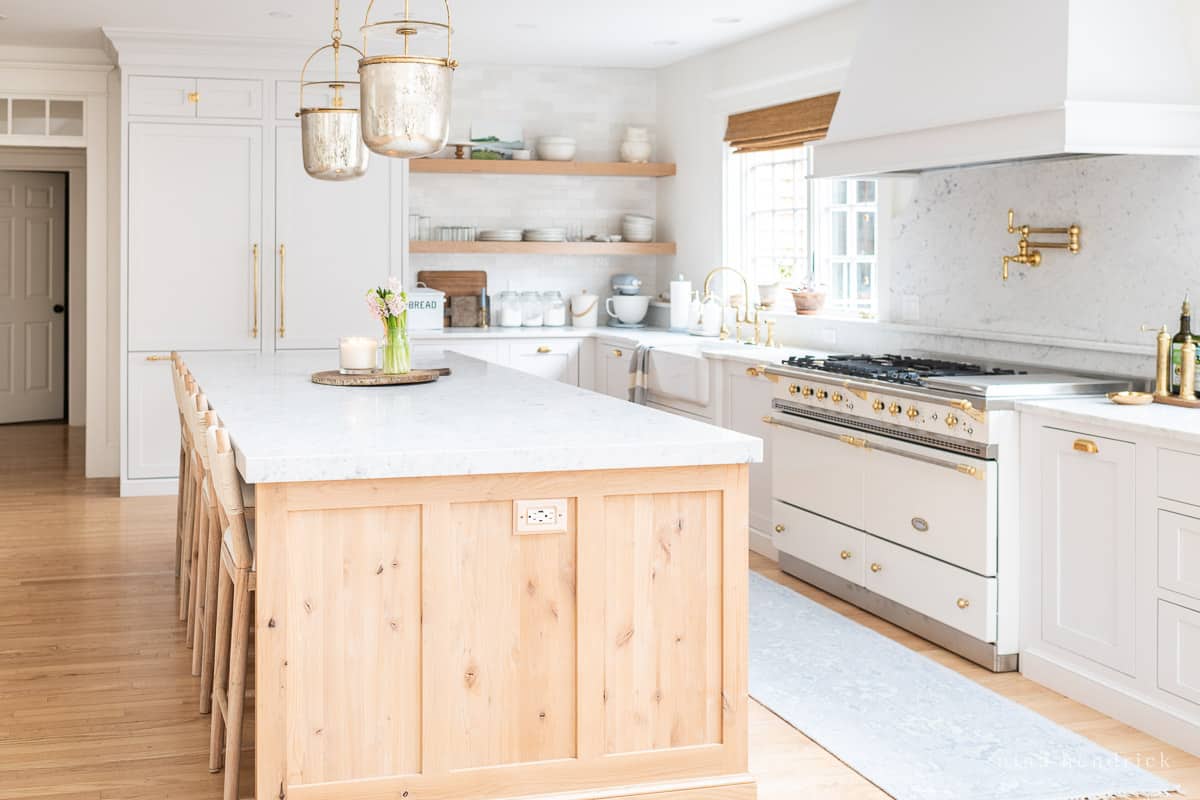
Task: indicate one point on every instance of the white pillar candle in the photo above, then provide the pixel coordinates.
(357, 352)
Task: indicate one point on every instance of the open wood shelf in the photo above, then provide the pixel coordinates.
(547, 248)
(613, 169)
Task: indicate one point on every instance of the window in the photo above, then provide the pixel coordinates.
(784, 227)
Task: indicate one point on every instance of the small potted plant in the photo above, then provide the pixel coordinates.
(808, 297)
(390, 306)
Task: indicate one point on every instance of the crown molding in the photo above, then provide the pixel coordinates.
(54, 58)
(143, 47)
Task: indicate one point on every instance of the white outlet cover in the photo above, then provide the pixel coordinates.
(541, 516)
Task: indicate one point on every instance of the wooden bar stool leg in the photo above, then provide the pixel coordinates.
(220, 694)
(201, 579)
(179, 501)
(208, 622)
(185, 555)
(240, 641)
(199, 520)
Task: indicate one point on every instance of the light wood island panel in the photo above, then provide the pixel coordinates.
(412, 643)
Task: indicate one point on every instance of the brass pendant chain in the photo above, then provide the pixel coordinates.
(337, 36)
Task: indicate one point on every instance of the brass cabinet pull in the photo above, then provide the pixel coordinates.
(845, 554)
(282, 290)
(1086, 446)
(779, 528)
(876, 566)
(254, 327)
(963, 602)
(193, 97)
(852, 441)
(753, 372)
(617, 353)
(157, 357)
(543, 349)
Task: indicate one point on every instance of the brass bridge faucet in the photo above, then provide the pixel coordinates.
(1029, 252)
(741, 314)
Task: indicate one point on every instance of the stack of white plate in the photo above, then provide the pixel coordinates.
(637, 228)
(546, 235)
(501, 235)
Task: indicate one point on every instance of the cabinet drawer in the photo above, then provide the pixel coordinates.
(1179, 651)
(161, 97)
(615, 359)
(556, 359)
(1179, 553)
(948, 594)
(1177, 476)
(946, 508)
(819, 541)
(153, 424)
(229, 98)
(812, 469)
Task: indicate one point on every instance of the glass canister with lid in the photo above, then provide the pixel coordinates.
(531, 310)
(506, 311)
(554, 309)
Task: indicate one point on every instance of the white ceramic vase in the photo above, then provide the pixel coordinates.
(636, 148)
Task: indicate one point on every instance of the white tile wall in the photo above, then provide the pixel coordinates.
(592, 105)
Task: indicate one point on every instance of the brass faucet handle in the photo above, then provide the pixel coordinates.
(1011, 228)
(771, 334)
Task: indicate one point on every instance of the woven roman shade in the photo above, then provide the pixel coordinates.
(777, 127)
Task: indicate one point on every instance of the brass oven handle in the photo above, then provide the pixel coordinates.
(254, 327)
(282, 288)
(853, 441)
(1086, 446)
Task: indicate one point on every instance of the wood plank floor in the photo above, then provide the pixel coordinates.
(96, 696)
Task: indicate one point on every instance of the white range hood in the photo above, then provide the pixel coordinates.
(943, 83)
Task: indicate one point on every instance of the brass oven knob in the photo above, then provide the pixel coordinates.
(876, 566)
(822, 394)
(779, 528)
(836, 397)
(894, 409)
(793, 389)
(963, 602)
(845, 555)
(807, 391)
(878, 405)
(912, 412)
(951, 420)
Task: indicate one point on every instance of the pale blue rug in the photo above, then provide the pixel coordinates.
(914, 728)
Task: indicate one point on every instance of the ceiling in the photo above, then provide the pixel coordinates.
(615, 33)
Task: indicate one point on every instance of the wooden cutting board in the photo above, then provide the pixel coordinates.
(455, 283)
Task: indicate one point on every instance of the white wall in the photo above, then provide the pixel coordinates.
(591, 105)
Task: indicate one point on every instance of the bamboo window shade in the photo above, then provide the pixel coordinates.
(777, 127)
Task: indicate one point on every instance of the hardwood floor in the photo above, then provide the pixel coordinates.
(97, 700)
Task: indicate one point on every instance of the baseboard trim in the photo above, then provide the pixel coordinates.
(762, 544)
(1117, 702)
(149, 487)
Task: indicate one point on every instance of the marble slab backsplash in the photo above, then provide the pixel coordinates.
(1140, 252)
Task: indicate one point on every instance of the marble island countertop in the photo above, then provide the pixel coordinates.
(482, 419)
(1179, 424)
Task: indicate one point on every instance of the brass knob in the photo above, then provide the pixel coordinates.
(793, 389)
(836, 397)
(543, 349)
(845, 555)
(963, 602)
(951, 420)
(878, 405)
(779, 528)
(894, 409)
(617, 353)
(912, 412)
(807, 391)
(752, 372)
(876, 566)
(822, 394)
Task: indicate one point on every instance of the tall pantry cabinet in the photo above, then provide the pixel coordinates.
(229, 246)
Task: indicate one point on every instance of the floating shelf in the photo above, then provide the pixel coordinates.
(613, 169)
(548, 248)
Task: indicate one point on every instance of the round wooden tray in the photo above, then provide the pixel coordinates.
(334, 377)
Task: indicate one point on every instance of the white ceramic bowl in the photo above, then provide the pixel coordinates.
(555, 148)
(630, 309)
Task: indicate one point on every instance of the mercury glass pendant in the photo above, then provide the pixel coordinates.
(331, 136)
(406, 97)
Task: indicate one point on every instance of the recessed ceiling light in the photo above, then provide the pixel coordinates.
(3, 17)
(727, 20)
(280, 14)
(666, 42)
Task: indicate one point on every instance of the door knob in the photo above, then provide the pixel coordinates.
(59, 308)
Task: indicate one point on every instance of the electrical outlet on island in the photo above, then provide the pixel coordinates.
(541, 516)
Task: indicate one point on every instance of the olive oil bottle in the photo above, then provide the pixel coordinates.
(1185, 333)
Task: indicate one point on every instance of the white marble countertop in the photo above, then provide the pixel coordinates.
(1179, 424)
(481, 419)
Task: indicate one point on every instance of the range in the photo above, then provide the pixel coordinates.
(895, 487)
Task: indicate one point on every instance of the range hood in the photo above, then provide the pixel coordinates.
(944, 83)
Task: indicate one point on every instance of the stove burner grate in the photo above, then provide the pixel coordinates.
(908, 370)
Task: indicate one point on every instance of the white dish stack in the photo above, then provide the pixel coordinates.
(502, 235)
(637, 228)
(546, 235)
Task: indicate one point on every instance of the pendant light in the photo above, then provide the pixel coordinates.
(406, 97)
(331, 137)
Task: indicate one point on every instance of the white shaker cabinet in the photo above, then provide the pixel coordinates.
(557, 359)
(195, 98)
(747, 398)
(332, 244)
(1088, 535)
(195, 236)
(153, 424)
(613, 360)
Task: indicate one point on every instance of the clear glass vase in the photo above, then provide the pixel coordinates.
(397, 353)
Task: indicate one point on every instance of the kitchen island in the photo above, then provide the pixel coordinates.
(492, 586)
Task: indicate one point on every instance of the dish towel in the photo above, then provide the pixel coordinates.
(639, 370)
